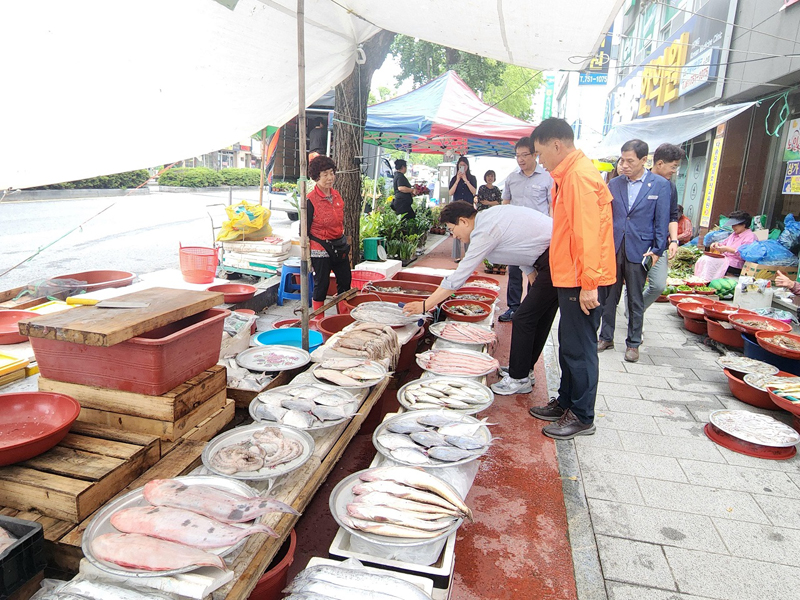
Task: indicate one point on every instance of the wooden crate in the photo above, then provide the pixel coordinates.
(80, 474)
(166, 430)
(172, 406)
(207, 429)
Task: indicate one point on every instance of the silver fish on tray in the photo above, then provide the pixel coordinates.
(360, 581)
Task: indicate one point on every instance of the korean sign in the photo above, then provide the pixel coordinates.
(791, 183)
(597, 71)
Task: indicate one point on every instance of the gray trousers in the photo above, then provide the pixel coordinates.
(633, 275)
(656, 280)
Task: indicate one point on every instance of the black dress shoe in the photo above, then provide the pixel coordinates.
(567, 427)
(552, 412)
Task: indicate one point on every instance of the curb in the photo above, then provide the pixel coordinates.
(41, 195)
(589, 580)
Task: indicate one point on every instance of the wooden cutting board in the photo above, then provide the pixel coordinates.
(94, 326)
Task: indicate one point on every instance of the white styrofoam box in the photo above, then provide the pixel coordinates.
(387, 267)
(258, 259)
(429, 271)
(440, 570)
(423, 583)
(258, 247)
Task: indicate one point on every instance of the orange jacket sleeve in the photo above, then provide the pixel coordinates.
(589, 214)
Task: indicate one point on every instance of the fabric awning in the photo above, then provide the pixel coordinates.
(671, 129)
(182, 78)
(444, 114)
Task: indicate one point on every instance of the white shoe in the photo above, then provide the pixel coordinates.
(503, 372)
(509, 387)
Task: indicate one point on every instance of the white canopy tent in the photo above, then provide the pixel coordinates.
(669, 129)
(97, 87)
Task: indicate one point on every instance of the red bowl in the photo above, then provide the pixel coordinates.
(9, 330)
(783, 403)
(697, 283)
(721, 310)
(409, 287)
(705, 292)
(693, 311)
(234, 292)
(459, 295)
(713, 254)
(327, 326)
(780, 325)
(361, 298)
(729, 337)
(491, 280)
(747, 393)
(675, 299)
(99, 280)
(764, 339)
(33, 422)
(449, 304)
(695, 325)
(421, 277)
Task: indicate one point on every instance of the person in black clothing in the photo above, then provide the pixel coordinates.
(318, 137)
(403, 203)
(463, 186)
(489, 195)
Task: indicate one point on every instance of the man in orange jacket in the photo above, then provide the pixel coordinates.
(583, 266)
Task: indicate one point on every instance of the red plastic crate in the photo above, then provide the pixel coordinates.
(152, 363)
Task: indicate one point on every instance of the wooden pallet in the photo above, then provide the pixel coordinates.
(166, 430)
(171, 406)
(207, 429)
(76, 477)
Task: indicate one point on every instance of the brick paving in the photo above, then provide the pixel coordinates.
(672, 515)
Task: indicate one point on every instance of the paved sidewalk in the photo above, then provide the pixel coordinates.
(673, 515)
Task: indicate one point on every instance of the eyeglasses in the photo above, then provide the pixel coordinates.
(526, 155)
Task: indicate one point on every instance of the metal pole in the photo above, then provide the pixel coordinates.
(375, 180)
(301, 126)
(263, 166)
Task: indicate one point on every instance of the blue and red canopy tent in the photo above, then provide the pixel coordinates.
(444, 114)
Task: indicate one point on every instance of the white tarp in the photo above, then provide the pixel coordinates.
(169, 79)
(669, 129)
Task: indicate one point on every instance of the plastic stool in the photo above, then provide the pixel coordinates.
(288, 288)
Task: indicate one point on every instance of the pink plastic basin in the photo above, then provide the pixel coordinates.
(98, 280)
(152, 363)
(9, 330)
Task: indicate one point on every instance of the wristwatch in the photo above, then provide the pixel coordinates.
(673, 241)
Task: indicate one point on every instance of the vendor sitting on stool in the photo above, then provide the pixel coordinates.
(507, 234)
(742, 235)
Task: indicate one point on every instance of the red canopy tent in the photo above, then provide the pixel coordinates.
(444, 114)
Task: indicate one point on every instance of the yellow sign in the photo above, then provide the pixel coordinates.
(661, 78)
(713, 172)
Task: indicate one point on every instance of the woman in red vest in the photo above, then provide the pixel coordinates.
(325, 215)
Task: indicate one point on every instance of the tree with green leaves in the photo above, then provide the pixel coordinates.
(515, 95)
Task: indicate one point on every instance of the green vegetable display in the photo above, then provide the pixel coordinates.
(684, 288)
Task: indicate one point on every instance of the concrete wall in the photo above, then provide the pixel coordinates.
(33, 195)
(771, 24)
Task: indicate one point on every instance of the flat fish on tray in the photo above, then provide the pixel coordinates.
(447, 362)
(137, 551)
(183, 526)
(210, 501)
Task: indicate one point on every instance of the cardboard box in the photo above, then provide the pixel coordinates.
(757, 271)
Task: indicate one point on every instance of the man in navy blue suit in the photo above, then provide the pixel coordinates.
(641, 229)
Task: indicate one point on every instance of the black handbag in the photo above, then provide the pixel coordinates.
(337, 249)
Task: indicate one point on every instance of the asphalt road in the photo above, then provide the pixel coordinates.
(140, 234)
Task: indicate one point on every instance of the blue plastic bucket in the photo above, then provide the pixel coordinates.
(289, 336)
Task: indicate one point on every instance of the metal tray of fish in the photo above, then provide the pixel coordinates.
(242, 434)
(385, 313)
(742, 364)
(272, 358)
(475, 388)
(483, 434)
(258, 402)
(342, 495)
(436, 331)
(473, 353)
(101, 524)
(755, 428)
(366, 384)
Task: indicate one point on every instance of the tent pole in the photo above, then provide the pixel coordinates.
(301, 132)
(263, 157)
(375, 180)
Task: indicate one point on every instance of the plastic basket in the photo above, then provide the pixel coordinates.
(24, 558)
(362, 278)
(198, 264)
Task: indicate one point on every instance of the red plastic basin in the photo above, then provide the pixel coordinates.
(234, 292)
(408, 351)
(448, 305)
(729, 337)
(474, 278)
(695, 326)
(478, 290)
(273, 581)
(9, 330)
(420, 277)
(327, 326)
(360, 299)
(764, 339)
(377, 287)
(98, 280)
(778, 325)
(152, 363)
(33, 422)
